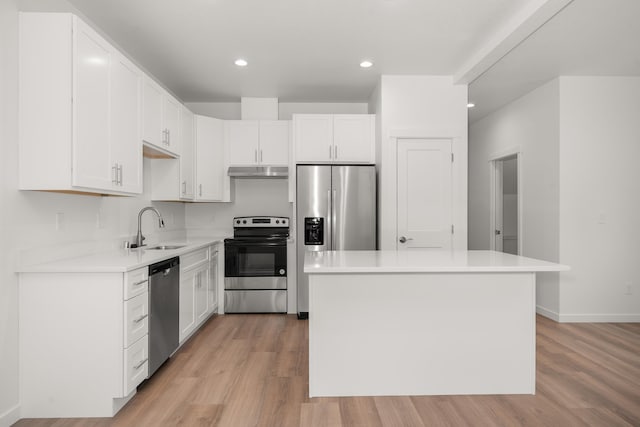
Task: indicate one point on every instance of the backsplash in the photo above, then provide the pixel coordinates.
(251, 197)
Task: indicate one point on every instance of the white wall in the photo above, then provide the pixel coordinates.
(251, 197)
(425, 106)
(231, 110)
(600, 198)
(8, 146)
(531, 124)
(579, 139)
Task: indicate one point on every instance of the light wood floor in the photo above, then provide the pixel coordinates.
(248, 370)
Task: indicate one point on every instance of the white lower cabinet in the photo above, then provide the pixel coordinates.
(136, 363)
(83, 342)
(198, 289)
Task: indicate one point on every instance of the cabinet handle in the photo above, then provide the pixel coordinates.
(260, 156)
(114, 173)
(330, 153)
(255, 155)
(120, 175)
(169, 137)
(140, 282)
(335, 149)
(184, 187)
(164, 136)
(142, 362)
(140, 319)
(200, 189)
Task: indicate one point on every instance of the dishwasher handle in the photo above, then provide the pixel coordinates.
(164, 267)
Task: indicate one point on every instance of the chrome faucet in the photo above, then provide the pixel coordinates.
(140, 238)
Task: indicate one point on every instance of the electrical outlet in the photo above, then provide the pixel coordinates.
(59, 221)
(628, 289)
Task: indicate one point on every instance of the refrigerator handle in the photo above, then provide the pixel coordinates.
(328, 229)
(333, 221)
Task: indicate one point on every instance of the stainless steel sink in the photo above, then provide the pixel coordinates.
(165, 247)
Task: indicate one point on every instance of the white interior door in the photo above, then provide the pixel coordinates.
(425, 214)
(497, 232)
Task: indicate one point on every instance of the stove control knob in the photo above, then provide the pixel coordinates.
(281, 271)
(238, 221)
(277, 221)
(244, 221)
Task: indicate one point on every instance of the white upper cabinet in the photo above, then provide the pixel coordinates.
(126, 84)
(242, 141)
(79, 103)
(212, 182)
(187, 158)
(174, 179)
(91, 153)
(274, 142)
(334, 138)
(161, 119)
(257, 142)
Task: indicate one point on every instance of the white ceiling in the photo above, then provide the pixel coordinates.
(588, 37)
(309, 50)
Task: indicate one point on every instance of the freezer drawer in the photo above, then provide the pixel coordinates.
(262, 301)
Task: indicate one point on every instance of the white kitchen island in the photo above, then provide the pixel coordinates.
(422, 322)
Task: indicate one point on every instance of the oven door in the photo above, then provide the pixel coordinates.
(255, 261)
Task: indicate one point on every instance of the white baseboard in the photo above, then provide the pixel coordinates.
(599, 318)
(547, 313)
(588, 318)
(10, 417)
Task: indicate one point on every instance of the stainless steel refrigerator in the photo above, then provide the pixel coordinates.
(336, 210)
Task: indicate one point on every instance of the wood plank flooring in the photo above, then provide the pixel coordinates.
(252, 370)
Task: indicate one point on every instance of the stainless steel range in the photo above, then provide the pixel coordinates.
(255, 265)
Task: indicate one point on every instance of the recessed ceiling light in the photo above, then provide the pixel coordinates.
(366, 64)
(471, 105)
(241, 62)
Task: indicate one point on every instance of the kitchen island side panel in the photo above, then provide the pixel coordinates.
(421, 334)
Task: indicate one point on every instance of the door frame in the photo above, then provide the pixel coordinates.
(495, 173)
(387, 183)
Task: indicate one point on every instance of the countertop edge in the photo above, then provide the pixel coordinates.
(363, 270)
(84, 264)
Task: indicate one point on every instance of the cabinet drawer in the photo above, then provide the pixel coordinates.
(136, 364)
(194, 258)
(135, 282)
(136, 318)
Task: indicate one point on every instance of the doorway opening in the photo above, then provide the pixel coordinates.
(506, 203)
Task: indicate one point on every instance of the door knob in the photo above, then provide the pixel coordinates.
(403, 239)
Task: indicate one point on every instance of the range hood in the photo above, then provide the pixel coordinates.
(258, 171)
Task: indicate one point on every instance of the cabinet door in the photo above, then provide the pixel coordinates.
(209, 159)
(152, 112)
(187, 156)
(241, 138)
(126, 145)
(274, 142)
(187, 316)
(91, 152)
(171, 119)
(353, 138)
(313, 137)
(202, 290)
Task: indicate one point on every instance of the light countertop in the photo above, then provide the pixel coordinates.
(423, 261)
(118, 260)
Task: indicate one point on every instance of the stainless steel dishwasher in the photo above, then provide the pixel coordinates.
(164, 303)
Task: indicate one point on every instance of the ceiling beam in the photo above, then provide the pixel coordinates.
(508, 36)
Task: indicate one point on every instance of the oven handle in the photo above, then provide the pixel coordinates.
(253, 244)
